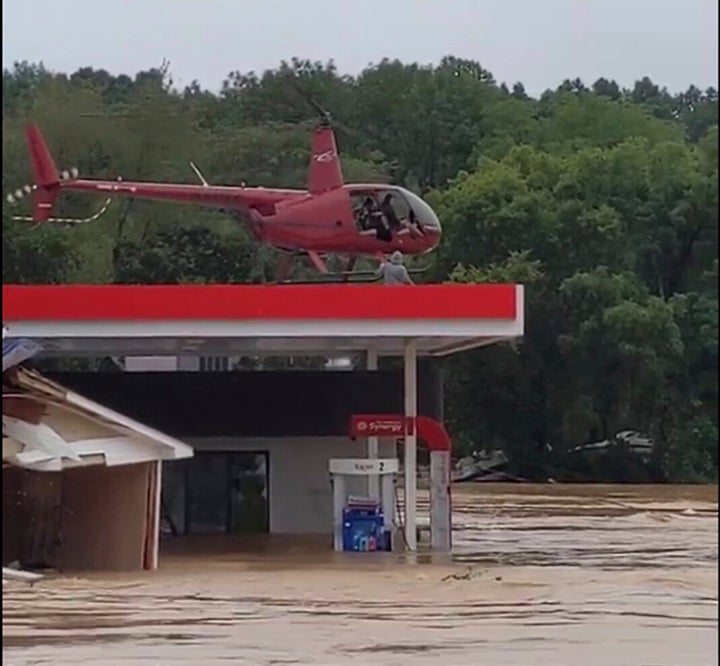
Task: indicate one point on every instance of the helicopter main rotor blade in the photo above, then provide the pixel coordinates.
(323, 113)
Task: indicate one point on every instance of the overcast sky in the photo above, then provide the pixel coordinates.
(538, 42)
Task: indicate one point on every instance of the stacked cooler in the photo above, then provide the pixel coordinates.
(364, 526)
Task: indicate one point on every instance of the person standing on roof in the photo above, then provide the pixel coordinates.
(393, 271)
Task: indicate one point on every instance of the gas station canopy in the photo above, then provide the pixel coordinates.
(235, 320)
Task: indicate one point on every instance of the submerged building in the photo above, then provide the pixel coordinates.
(221, 451)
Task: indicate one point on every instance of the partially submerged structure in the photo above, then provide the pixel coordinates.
(264, 441)
(81, 482)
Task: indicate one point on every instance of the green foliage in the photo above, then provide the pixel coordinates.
(30, 255)
(518, 268)
(184, 256)
(601, 201)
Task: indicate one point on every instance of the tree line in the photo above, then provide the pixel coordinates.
(601, 200)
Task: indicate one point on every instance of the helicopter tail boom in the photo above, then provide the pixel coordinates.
(48, 184)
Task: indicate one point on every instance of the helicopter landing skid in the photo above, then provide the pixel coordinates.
(346, 277)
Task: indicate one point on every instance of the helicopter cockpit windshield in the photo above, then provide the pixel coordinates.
(392, 211)
(425, 216)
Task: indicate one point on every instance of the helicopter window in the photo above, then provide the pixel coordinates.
(392, 212)
(394, 203)
(421, 215)
(401, 218)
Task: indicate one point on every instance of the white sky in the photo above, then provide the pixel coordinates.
(538, 42)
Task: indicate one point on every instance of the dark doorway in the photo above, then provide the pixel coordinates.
(217, 492)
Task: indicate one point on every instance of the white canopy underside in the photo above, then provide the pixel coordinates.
(231, 338)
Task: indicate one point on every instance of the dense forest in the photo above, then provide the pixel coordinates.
(603, 201)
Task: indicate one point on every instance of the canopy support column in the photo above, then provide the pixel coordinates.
(410, 390)
(153, 516)
(373, 447)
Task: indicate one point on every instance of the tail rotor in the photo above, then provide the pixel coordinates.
(47, 185)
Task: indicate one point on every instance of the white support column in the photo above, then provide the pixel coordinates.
(338, 483)
(411, 446)
(373, 447)
(440, 519)
(156, 510)
(387, 482)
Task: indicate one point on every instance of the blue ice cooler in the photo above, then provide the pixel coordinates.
(364, 530)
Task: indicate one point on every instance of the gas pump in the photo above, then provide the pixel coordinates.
(362, 523)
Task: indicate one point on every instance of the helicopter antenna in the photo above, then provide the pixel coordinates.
(198, 173)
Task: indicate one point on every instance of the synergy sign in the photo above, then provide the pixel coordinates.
(378, 425)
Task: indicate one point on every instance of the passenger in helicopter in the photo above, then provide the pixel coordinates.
(400, 225)
(365, 214)
(362, 217)
(370, 207)
(388, 211)
(375, 219)
(413, 223)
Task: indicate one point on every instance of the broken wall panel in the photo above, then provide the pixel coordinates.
(82, 519)
(12, 521)
(106, 515)
(41, 508)
(31, 517)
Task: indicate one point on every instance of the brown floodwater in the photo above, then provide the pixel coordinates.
(553, 574)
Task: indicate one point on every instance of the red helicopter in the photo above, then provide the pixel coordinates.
(329, 217)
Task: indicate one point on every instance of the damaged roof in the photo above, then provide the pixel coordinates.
(47, 427)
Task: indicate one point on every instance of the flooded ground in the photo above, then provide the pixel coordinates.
(561, 575)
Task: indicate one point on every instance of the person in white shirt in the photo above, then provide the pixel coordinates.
(393, 271)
